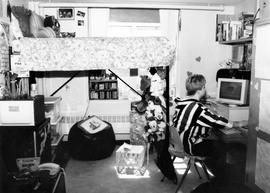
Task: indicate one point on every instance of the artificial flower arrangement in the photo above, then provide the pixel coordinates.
(153, 105)
(155, 127)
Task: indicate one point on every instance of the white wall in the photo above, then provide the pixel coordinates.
(197, 39)
(246, 6)
(74, 95)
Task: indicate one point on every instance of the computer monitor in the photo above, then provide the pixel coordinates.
(233, 91)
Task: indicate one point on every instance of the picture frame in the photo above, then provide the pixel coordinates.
(65, 13)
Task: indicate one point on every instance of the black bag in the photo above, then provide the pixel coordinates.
(51, 21)
(86, 146)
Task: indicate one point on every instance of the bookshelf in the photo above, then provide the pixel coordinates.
(102, 86)
(238, 41)
(237, 31)
(234, 29)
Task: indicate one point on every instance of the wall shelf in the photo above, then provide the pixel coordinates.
(237, 42)
(102, 86)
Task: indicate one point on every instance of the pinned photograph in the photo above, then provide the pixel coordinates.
(65, 13)
(80, 13)
(80, 22)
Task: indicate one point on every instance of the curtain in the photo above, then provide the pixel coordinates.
(170, 28)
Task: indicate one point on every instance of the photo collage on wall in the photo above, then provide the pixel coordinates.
(81, 18)
(66, 14)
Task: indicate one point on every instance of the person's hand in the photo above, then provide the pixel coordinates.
(229, 125)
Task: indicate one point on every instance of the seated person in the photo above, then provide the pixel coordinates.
(193, 120)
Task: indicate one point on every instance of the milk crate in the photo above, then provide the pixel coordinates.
(130, 155)
(130, 159)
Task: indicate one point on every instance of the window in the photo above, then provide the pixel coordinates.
(134, 22)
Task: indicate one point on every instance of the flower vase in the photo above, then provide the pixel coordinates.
(13, 92)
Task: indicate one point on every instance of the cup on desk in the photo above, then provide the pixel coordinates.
(33, 90)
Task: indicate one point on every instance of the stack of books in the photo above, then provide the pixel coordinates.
(231, 27)
(247, 20)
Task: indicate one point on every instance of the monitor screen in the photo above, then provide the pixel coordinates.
(232, 91)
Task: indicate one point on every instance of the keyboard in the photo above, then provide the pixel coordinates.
(230, 131)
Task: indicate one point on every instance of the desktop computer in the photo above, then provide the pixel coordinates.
(234, 113)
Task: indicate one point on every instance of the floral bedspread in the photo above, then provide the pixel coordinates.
(57, 54)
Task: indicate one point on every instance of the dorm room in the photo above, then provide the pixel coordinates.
(117, 66)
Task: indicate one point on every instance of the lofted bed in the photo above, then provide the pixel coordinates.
(79, 54)
(69, 54)
(83, 54)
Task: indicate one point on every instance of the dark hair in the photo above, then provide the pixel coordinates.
(194, 82)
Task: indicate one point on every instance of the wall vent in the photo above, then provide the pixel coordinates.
(108, 118)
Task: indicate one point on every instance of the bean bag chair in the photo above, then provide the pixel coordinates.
(91, 139)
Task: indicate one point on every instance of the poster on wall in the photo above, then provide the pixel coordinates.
(264, 113)
(66, 13)
(262, 57)
(17, 67)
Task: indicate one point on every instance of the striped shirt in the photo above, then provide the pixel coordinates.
(193, 121)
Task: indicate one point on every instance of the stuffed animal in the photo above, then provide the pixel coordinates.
(157, 85)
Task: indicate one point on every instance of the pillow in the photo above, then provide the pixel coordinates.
(36, 23)
(50, 21)
(37, 27)
(23, 16)
(45, 32)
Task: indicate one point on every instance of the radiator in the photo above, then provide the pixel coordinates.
(120, 124)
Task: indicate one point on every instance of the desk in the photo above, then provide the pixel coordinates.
(231, 138)
(234, 113)
(235, 146)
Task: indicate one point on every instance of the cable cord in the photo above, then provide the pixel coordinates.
(86, 110)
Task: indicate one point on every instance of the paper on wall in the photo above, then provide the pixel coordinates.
(262, 56)
(264, 112)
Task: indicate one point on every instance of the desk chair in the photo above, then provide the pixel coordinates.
(176, 149)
